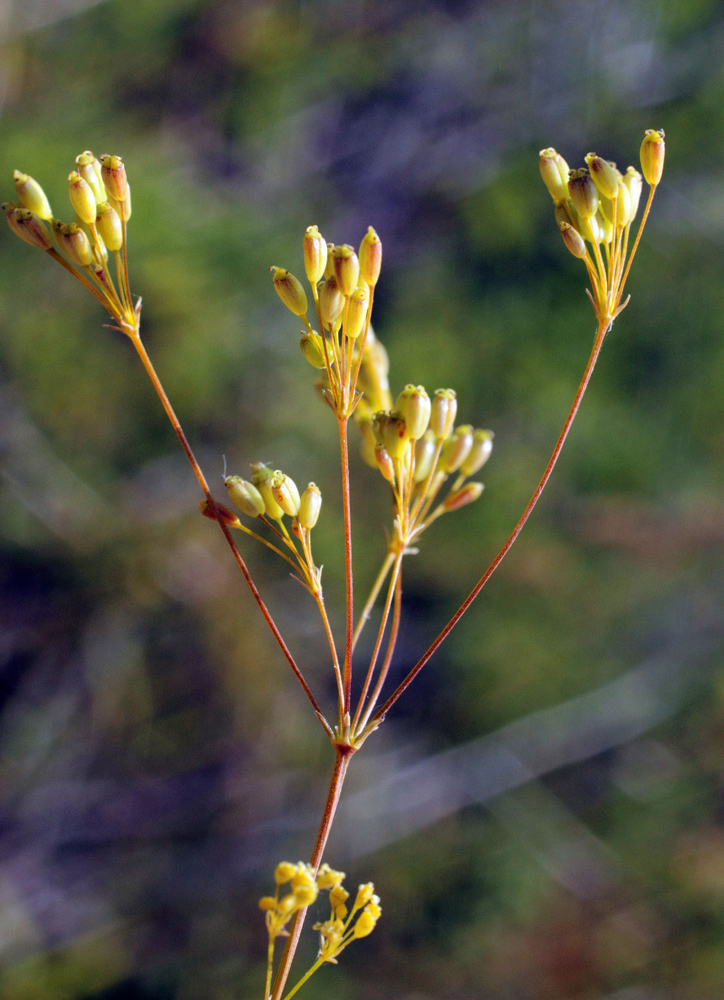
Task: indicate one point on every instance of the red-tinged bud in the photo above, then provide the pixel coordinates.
(573, 240)
(462, 497)
(346, 268)
(391, 432)
(583, 193)
(385, 463)
(28, 226)
(114, 177)
(331, 301)
(290, 291)
(605, 176)
(31, 195)
(310, 505)
(76, 245)
(652, 155)
(554, 171)
(479, 453)
(370, 256)
(245, 496)
(623, 208)
(313, 349)
(634, 182)
(414, 405)
(228, 517)
(86, 167)
(109, 226)
(285, 492)
(444, 411)
(262, 478)
(82, 198)
(315, 255)
(456, 449)
(329, 266)
(425, 450)
(359, 302)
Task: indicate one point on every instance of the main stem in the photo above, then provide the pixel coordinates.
(341, 763)
(347, 513)
(603, 328)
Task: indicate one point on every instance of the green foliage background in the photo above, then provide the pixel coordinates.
(157, 759)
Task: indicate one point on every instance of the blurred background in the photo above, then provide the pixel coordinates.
(542, 813)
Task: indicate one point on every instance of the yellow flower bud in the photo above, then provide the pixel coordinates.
(583, 193)
(285, 492)
(267, 903)
(634, 182)
(555, 180)
(76, 245)
(346, 268)
(86, 167)
(623, 208)
(28, 226)
(290, 291)
(391, 431)
(329, 266)
(653, 150)
(365, 924)
(573, 240)
(315, 254)
(331, 301)
(114, 177)
(456, 449)
(384, 463)
(365, 892)
(603, 173)
(82, 198)
(337, 899)
(443, 413)
(313, 349)
(328, 878)
(305, 895)
(465, 495)
(109, 226)
(605, 225)
(262, 478)
(415, 406)
(122, 207)
(590, 229)
(284, 872)
(310, 505)
(370, 256)
(31, 195)
(425, 449)
(245, 496)
(479, 453)
(357, 312)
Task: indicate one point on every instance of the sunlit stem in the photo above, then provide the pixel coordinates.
(374, 593)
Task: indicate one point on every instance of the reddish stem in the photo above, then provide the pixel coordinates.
(341, 763)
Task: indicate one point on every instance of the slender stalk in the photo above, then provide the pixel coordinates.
(341, 763)
(603, 328)
(376, 587)
(378, 643)
(349, 579)
(156, 382)
(388, 655)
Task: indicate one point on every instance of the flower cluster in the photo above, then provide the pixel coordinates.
(344, 925)
(100, 197)
(597, 204)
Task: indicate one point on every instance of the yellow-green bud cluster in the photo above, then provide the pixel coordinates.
(100, 198)
(342, 283)
(418, 443)
(273, 494)
(303, 890)
(594, 203)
